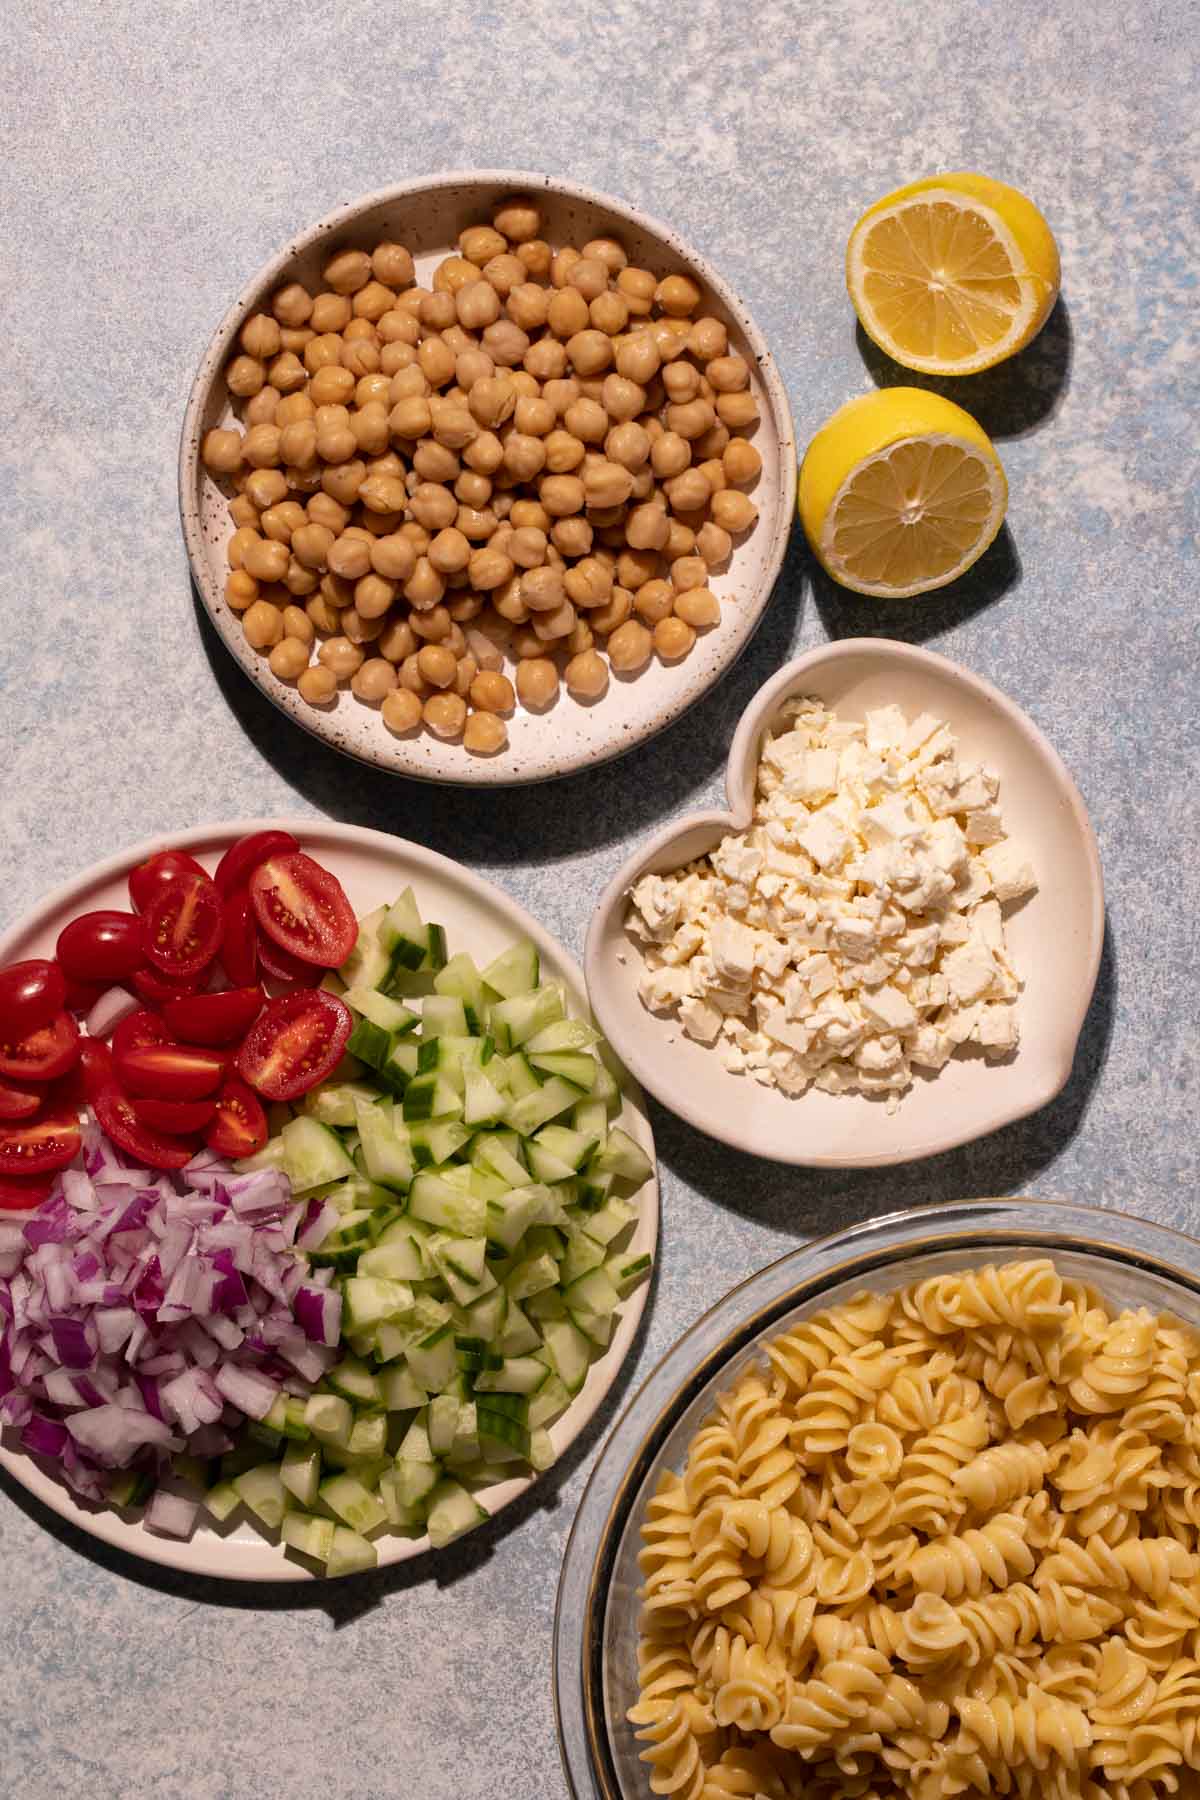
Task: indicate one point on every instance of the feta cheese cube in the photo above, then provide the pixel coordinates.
(887, 729)
(984, 825)
(997, 1029)
(825, 839)
(887, 1008)
(732, 947)
(658, 902)
(969, 970)
(700, 1021)
(1010, 874)
(855, 937)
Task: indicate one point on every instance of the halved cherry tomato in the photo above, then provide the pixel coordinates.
(33, 1146)
(41, 1054)
(31, 992)
(294, 1043)
(139, 1028)
(170, 1071)
(284, 966)
(239, 939)
(181, 926)
(94, 1069)
(178, 1116)
(152, 985)
(241, 859)
(82, 995)
(156, 872)
(19, 1102)
(119, 1121)
(214, 1018)
(100, 946)
(23, 1193)
(302, 907)
(240, 1125)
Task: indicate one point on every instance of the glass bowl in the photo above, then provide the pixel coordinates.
(595, 1630)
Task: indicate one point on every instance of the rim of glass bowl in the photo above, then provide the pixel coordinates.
(973, 1228)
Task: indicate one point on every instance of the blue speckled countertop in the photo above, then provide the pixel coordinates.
(154, 155)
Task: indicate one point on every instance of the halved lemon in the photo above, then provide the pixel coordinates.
(952, 274)
(900, 492)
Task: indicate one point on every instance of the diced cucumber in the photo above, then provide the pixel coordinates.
(520, 1335)
(546, 1305)
(333, 1102)
(391, 1016)
(300, 1472)
(498, 1153)
(263, 1492)
(564, 1034)
(452, 1511)
(401, 1065)
(583, 1253)
(313, 1155)
(573, 1065)
(532, 1275)
(510, 1216)
(625, 1271)
(499, 1431)
(371, 1043)
(350, 1501)
(450, 1209)
(399, 1516)
(443, 1423)
(310, 1536)
(590, 1117)
(222, 1501)
(404, 934)
(368, 962)
(462, 1266)
(486, 1317)
(525, 1115)
(483, 1102)
(443, 1015)
(623, 1158)
(439, 1056)
(461, 978)
(368, 1437)
(591, 1301)
(486, 1186)
(369, 1300)
(569, 1145)
(594, 1190)
(431, 1097)
(519, 1375)
(570, 1352)
(354, 1382)
(350, 1554)
(402, 1259)
(269, 1157)
(414, 1446)
(435, 1141)
(544, 1164)
(415, 1480)
(542, 1454)
(515, 971)
(433, 1361)
(609, 1220)
(387, 1153)
(551, 1399)
(329, 1418)
(513, 1022)
(351, 1234)
(400, 1389)
(465, 1447)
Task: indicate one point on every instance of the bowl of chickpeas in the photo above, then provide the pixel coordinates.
(486, 478)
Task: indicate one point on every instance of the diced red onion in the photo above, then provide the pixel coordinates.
(117, 1004)
(171, 1513)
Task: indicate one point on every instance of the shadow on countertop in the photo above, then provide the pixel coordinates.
(1014, 399)
(599, 806)
(349, 1598)
(804, 1203)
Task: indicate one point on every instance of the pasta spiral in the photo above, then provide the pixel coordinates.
(944, 1543)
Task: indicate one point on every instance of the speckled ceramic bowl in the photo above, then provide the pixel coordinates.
(427, 216)
(1054, 936)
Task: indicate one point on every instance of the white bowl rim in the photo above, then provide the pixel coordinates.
(481, 772)
(1055, 1068)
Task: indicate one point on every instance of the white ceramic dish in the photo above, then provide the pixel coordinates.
(427, 216)
(1055, 936)
(372, 868)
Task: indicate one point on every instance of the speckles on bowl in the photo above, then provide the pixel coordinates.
(427, 216)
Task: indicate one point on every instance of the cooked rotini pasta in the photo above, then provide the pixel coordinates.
(940, 1543)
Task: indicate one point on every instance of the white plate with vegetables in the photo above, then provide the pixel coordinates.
(472, 1185)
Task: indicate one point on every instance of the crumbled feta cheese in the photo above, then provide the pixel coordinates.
(853, 932)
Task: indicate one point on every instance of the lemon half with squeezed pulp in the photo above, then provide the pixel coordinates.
(900, 492)
(952, 274)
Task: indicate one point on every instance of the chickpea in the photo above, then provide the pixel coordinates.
(330, 314)
(293, 409)
(373, 680)
(571, 537)
(297, 624)
(728, 374)
(349, 556)
(508, 604)
(348, 271)
(439, 462)
(689, 491)
(588, 582)
(562, 263)
(317, 686)
(373, 595)
(542, 589)
(393, 557)
(336, 446)
(518, 219)
(622, 399)
(432, 505)
(331, 384)
(608, 313)
(360, 356)
(638, 359)
(476, 523)
(401, 711)
(392, 264)
(492, 692)
(260, 447)
(245, 376)
(262, 624)
(636, 287)
(646, 527)
(287, 374)
(397, 640)
(733, 511)
(562, 495)
(241, 590)
(711, 443)
(681, 539)
(670, 455)
(654, 600)
(477, 305)
(635, 567)
(589, 352)
(323, 509)
(564, 452)
(586, 676)
(488, 568)
(410, 677)
(373, 301)
(492, 400)
(484, 454)
(436, 361)
(425, 586)
(221, 451)
(288, 659)
(527, 547)
(341, 657)
(298, 444)
(629, 647)
(670, 343)
(588, 276)
(537, 683)
(605, 619)
(524, 456)
(714, 545)
(586, 420)
(738, 411)
(265, 559)
(322, 616)
(484, 734)
(261, 408)
(529, 512)
(707, 339)
(486, 653)
(445, 715)
(410, 417)
(681, 380)
(465, 674)
(607, 485)
(741, 462)
(533, 416)
(699, 608)
(691, 419)
(323, 352)
(399, 336)
(505, 343)
(472, 365)
(673, 639)
(567, 313)
(280, 521)
(369, 425)
(504, 272)
(629, 445)
(546, 360)
(528, 304)
(292, 305)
